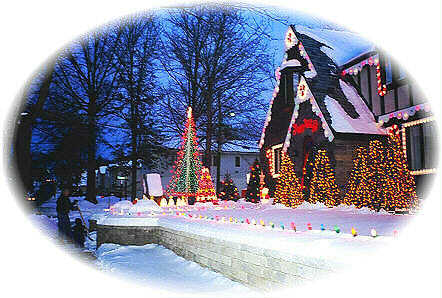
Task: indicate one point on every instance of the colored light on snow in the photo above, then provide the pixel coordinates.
(354, 232)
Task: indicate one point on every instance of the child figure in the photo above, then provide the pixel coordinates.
(79, 232)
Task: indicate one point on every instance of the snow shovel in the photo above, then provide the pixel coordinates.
(84, 223)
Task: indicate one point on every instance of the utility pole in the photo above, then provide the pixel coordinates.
(219, 148)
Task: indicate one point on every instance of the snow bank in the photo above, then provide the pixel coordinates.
(157, 266)
(145, 206)
(122, 206)
(128, 221)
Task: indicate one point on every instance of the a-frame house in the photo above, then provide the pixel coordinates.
(315, 106)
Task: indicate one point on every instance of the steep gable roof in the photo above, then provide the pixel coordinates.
(341, 103)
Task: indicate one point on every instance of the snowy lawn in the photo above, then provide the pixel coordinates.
(219, 222)
(155, 266)
(87, 208)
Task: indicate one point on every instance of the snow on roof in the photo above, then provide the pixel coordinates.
(102, 169)
(342, 122)
(340, 46)
(242, 146)
(290, 63)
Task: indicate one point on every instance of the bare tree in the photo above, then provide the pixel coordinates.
(217, 61)
(86, 78)
(35, 98)
(136, 53)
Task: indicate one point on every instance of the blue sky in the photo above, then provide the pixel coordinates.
(278, 28)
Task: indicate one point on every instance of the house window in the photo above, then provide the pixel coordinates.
(421, 145)
(388, 72)
(237, 161)
(273, 155)
(278, 157)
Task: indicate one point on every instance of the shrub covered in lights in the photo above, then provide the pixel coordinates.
(206, 191)
(253, 187)
(380, 178)
(322, 186)
(288, 187)
(228, 191)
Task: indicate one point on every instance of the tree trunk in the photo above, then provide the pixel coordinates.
(23, 135)
(91, 152)
(22, 152)
(209, 133)
(218, 153)
(133, 192)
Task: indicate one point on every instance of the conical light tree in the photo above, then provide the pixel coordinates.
(206, 190)
(380, 178)
(355, 191)
(187, 168)
(288, 188)
(323, 187)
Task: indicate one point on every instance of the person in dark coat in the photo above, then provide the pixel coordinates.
(64, 206)
(79, 233)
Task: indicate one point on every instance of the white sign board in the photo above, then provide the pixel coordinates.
(154, 186)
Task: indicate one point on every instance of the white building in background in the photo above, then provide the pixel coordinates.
(236, 159)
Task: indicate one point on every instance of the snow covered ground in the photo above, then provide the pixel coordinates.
(149, 265)
(155, 265)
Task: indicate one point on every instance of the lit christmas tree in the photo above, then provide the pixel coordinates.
(228, 192)
(253, 187)
(354, 194)
(288, 187)
(187, 168)
(382, 180)
(322, 185)
(400, 177)
(206, 191)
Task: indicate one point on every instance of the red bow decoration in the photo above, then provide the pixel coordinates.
(307, 123)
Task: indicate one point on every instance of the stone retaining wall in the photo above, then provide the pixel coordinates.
(253, 266)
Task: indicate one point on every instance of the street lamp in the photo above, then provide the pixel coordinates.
(121, 179)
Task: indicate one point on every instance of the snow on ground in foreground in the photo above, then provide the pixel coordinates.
(48, 225)
(328, 245)
(149, 265)
(345, 217)
(153, 265)
(87, 208)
